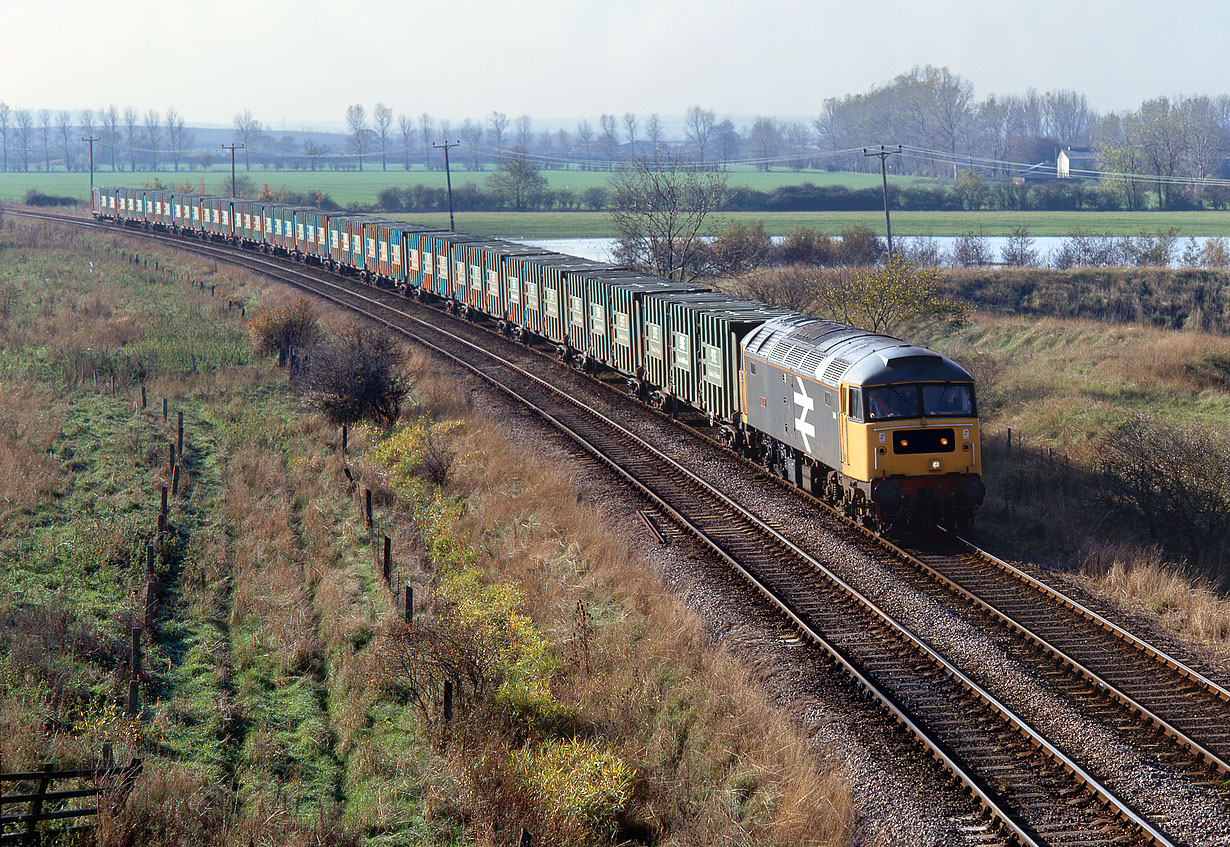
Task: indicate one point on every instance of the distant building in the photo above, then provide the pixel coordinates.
(1078, 159)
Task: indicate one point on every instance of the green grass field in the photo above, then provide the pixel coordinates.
(362, 188)
(598, 224)
(347, 187)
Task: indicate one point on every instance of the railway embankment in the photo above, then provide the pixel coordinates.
(265, 702)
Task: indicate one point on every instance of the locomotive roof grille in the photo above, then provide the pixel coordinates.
(835, 370)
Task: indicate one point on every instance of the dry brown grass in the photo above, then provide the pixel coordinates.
(269, 577)
(30, 424)
(1140, 580)
(716, 762)
(176, 805)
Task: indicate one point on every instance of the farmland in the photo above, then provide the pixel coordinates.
(598, 224)
(355, 187)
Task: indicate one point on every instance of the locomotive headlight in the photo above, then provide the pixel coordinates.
(943, 442)
(935, 464)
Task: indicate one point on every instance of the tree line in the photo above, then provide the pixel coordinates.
(1175, 143)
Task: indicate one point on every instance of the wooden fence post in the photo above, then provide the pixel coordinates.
(36, 805)
(1009, 439)
(367, 507)
(388, 561)
(164, 409)
(142, 396)
(175, 482)
(409, 603)
(180, 443)
(343, 439)
(134, 690)
(448, 700)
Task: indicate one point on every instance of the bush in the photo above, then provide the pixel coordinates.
(1174, 480)
(35, 198)
(739, 248)
(859, 247)
(807, 247)
(356, 378)
(289, 331)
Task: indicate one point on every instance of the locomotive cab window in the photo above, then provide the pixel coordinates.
(948, 400)
(854, 404)
(893, 401)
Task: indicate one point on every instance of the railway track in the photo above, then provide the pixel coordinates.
(1039, 794)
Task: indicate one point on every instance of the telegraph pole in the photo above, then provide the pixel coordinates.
(232, 148)
(884, 153)
(91, 139)
(448, 178)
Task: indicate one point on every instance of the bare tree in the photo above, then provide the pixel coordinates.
(64, 124)
(698, 123)
(153, 134)
(664, 217)
(610, 138)
(426, 129)
(525, 132)
(405, 123)
(563, 144)
(130, 130)
(1067, 116)
(25, 123)
(86, 118)
(6, 117)
(315, 152)
(356, 119)
(382, 116)
(585, 135)
(653, 134)
(726, 140)
(545, 145)
(498, 121)
(178, 136)
(472, 134)
(111, 131)
(44, 123)
(248, 131)
(765, 140)
(797, 139)
(630, 126)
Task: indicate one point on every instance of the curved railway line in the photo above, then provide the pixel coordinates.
(1035, 792)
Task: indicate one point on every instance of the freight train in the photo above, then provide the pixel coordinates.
(885, 430)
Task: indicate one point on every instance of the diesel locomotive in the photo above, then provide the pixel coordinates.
(885, 430)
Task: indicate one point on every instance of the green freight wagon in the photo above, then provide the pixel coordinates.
(393, 249)
(486, 274)
(623, 346)
(436, 269)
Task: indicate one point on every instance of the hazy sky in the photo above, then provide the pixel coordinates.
(301, 63)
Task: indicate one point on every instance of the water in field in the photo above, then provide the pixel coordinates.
(1046, 247)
